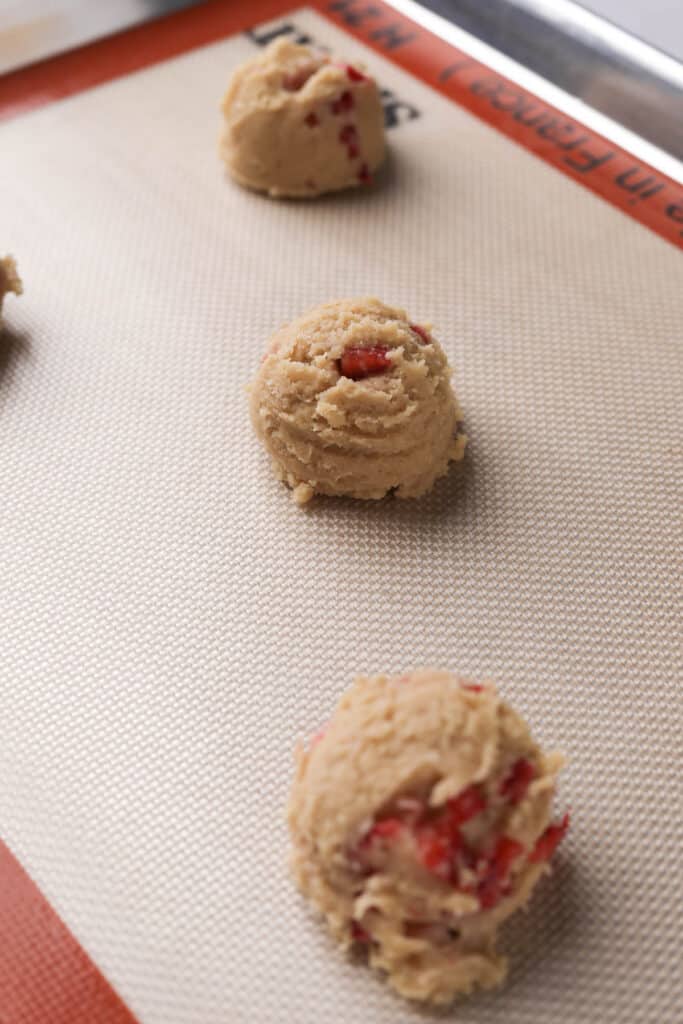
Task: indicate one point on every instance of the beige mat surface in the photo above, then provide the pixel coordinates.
(171, 623)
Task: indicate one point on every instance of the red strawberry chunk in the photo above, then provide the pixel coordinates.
(434, 851)
(355, 75)
(515, 784)
(489, 892)
(388, 828)
(507, 851)
(348, 136)
(358, 362)
(451, 836)
(358, 933)
(467, 805)
(364, 175)
(422, 334)
(343, 104)
(493, 885)
(547, 843)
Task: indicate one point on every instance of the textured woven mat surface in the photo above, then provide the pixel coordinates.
(172, 623)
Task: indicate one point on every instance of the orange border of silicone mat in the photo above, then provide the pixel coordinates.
(45, 975)
(636, 188)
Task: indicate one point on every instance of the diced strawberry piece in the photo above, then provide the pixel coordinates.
(343, 104)
(364, 175)
(312, 119)
(348, 136)
(466, 805)
(489, 892)
(358, 362)
(388, 828)
(507, 851)
(355, 75)
(547, 843)
(433, 851)
(447, 821)
(422, 334)
(492, 886)
(474, 687)
(358, 933)
(515, 784)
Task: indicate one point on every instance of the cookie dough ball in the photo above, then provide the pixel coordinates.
(421, 819)
(353, 399)
(9, 280)
(300, 124)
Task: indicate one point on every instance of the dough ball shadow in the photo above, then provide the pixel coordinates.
(14, 348)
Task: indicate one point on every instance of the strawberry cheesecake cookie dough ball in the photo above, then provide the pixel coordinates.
(300, 124)
(421, 818)
(353, 399)
(9, 280)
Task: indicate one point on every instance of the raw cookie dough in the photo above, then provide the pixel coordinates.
(353, 399)
(300, 124)
(421, 819)
(9, 280)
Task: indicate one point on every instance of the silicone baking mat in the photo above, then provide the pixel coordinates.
(172, 623)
